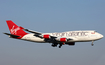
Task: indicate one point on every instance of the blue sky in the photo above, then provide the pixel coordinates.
(52, 16)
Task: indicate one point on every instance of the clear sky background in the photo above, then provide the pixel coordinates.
(52, 16)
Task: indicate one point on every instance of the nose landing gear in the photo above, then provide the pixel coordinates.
(92, 43)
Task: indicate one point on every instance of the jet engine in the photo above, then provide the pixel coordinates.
(61, 39)
(71, 43)
(46, 36)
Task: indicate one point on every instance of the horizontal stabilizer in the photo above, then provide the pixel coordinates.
(11, 35)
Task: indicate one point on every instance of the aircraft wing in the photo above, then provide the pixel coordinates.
(38, 34)
(32, 31)
(47, 36)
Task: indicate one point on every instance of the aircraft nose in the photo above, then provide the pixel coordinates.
(101, 36)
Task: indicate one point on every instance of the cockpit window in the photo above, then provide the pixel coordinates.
(93, 32)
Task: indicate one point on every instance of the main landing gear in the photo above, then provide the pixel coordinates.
(60, 45)
(55, 44)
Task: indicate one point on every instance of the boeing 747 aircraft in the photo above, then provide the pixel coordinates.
(62, 38)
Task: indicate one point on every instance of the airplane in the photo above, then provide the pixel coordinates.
(63, 38)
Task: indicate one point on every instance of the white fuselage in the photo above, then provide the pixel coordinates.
(76, 36)
(62, 38)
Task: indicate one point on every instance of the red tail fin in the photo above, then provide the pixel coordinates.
(14, 29)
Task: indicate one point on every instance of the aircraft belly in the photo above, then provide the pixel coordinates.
(80, 39)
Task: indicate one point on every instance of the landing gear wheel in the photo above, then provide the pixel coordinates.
(53, 46)
(59, 46)
(92, 44)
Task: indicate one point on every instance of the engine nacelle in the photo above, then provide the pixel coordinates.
(46, 36)
(71, 43)
(61, 39)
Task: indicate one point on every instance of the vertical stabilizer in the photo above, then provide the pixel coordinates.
(14, 29)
